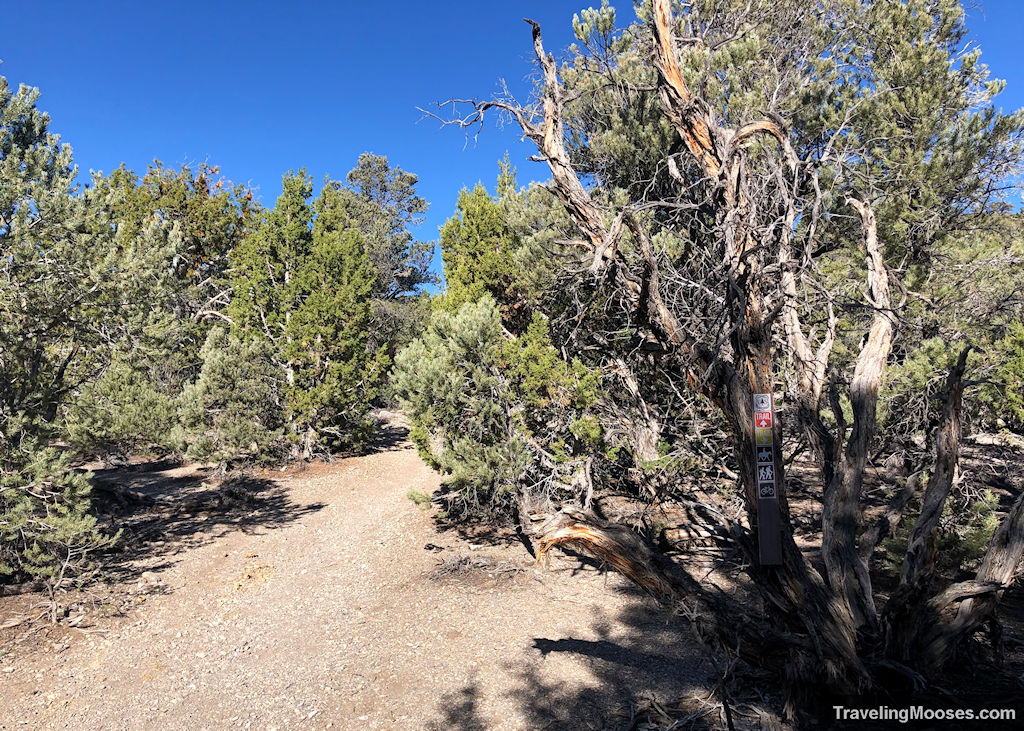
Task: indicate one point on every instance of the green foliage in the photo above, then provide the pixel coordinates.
(303, 283)
(419, 497)
(166, 237)
(121, 413)
(476, 245)
(1004, 397)
(964, 532)
(447, 382)
(212, 215)
(380, 200)
(912, 387)
(970, 292)
(46, 529)
(233, 411)
(263, 265)
(336, 374)
(496, 412)
(57, 292)
(966, 527)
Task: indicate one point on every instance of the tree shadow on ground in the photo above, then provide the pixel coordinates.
(617, 670)
(640, 655)
(390, 433)
(460, 710)
(171, 509)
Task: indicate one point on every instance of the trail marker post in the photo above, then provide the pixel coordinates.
(769, 528)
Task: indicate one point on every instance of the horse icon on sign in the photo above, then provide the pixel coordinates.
(764, 454)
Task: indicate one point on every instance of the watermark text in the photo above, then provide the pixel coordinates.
(920, 713)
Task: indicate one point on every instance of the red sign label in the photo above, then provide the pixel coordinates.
(762, 419)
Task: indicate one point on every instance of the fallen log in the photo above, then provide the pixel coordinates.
(718, 619)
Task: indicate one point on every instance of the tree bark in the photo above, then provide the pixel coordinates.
(959, 611)
(919, 561)
(841, 516)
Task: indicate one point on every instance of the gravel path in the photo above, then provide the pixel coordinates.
(333, 620)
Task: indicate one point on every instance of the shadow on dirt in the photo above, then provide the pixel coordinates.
(460, 710)
(629, 668)
(390, 433)
(641, 656)
(388, 437)
(163, 510)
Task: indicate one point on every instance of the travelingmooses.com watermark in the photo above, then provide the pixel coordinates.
(920, 713)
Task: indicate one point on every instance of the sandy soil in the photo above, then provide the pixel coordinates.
(324, 613)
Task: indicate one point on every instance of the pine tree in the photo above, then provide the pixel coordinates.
(451, 387)
(172, 230)
(121, 413)
(381, 201)
(233, 411)
(502, 416)
(734, 175)
(57, 294)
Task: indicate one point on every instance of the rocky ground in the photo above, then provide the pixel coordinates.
(328, 599)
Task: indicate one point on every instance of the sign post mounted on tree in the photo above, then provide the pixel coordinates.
(769, 536)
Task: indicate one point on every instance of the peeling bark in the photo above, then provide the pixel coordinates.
(841, 510)
(919, 561)
(831, 621)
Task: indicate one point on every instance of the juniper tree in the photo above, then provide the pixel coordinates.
(303, 282)
(338, 369)
(477, 247)
(735, 174)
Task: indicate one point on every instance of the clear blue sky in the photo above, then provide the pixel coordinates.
(261, 87)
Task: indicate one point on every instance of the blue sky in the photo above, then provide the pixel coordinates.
(261, 87)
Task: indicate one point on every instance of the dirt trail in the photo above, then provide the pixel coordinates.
(332, 620)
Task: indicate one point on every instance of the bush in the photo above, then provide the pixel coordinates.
(46, 529)
(964, 532)
(500, 415)
(233, 411)
(121, 413)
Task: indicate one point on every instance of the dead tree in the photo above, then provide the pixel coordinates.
(820, 632)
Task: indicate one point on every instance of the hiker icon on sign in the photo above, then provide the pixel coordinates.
(762, 402)
(766, 473)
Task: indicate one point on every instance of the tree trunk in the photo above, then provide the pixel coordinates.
(919, 562)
